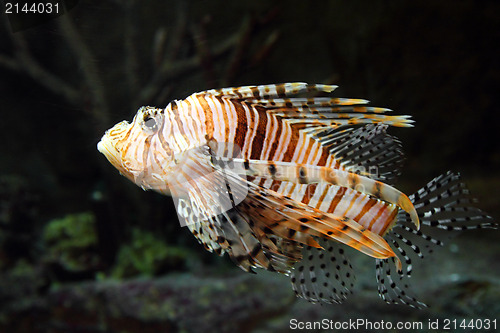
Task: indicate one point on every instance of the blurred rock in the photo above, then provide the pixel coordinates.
(145, 254)
(175, 303)
(71, 247)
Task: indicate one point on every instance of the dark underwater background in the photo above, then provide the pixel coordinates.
(84, 250)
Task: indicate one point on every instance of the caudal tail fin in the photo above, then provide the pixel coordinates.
(444, 207)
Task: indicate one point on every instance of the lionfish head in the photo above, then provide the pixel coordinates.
(127, 146)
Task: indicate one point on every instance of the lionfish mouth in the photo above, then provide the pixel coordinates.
(107, 146)
(108, 149)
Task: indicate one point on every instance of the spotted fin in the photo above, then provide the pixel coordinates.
(333, 119)
(323, 275)
(444, 207)
(245, 248)
(269, 91)
(277, 103)
(207, 202)
(280, 100)
(206, 236)
(228, 232)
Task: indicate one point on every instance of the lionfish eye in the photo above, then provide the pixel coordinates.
(150, 123)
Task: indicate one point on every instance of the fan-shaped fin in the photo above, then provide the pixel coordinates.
(323, 275)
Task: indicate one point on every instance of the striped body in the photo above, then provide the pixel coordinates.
(265, 136)
(283, 183)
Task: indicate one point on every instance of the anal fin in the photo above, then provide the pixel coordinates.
(323, 275)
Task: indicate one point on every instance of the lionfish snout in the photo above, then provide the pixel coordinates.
(113, 146)
(127, 145)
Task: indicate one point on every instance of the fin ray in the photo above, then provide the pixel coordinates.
(323, 275)
(443, 207)
(307, 174)
(300, 217)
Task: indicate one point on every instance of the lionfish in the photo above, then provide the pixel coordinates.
(282, 178)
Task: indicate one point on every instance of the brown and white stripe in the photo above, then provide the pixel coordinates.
(270, 125)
